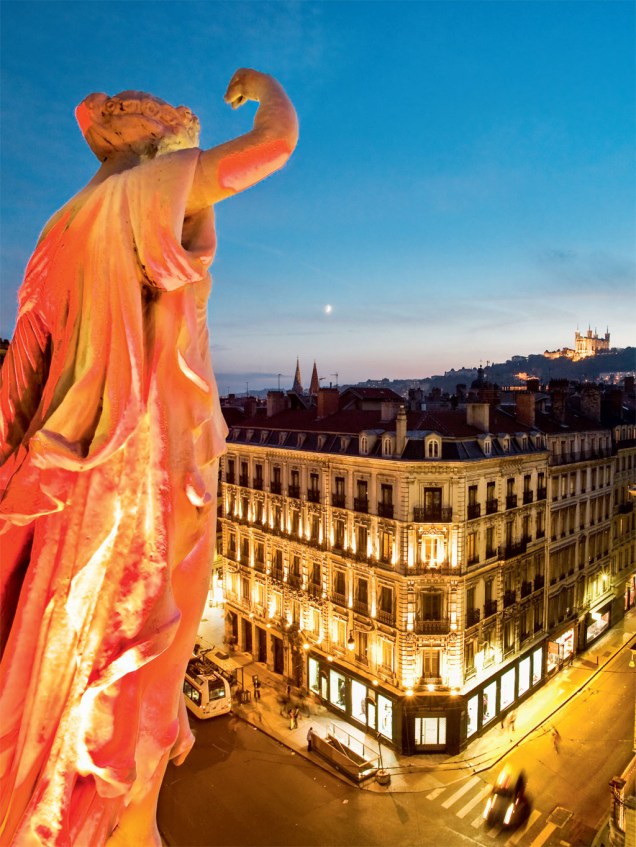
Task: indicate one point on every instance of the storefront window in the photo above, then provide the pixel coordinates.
(337, 689)
(507, 694)
(314, 676)
(385, 716)
(489, 702)
(560, 649)
(597, 626)
(537, 664)
(430, 731)
(524, 675)
(358, 701)
(471, 721)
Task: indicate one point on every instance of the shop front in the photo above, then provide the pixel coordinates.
(497, 695)
(561, 648)
(630, 593)
(373, 708)
(597, 622)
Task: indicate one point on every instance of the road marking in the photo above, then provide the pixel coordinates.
(435, 793)
(543, 836)
(472, 803)
(518, 835)
(466, 787)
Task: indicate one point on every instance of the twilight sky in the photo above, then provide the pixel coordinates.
(463, 188)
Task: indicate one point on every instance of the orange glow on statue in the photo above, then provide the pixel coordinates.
(111, 432)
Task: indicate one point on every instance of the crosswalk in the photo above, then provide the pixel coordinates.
(467, 800)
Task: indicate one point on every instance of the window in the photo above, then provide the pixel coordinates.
(339, 583)
(229, 476)
(433, 502)
(386, 546)
(362, 539)
(386, 493)
(432, 448)
(490, 541)
(431, 607)
(340, 485)
(431, 664)
(385, 599)
(471, 548)
(472, 495)
(295, 478)
(387, 650)
(276, 474)
(362, 592)
(338, 534)
(362, 488)
(364, 445)
(316, 576)
(386, 447)
(314, 528)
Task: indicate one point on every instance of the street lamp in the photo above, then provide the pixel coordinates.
(351, 644)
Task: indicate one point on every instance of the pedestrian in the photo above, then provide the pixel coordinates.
(290, 715)
(294, 718)
(257, 688)
(309, 738)
(556, 738)
(511, 720)
(288, 691)
(503, 720)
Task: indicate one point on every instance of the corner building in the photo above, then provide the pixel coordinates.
(411, 568)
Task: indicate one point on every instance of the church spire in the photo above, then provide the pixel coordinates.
(315, 382)
(297, 387)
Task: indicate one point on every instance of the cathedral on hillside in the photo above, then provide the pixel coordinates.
(584, 346)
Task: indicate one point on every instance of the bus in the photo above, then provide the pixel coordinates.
(207, 693)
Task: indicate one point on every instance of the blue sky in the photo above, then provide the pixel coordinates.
(463, 189)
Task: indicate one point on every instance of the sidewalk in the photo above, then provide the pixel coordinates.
(421, 772)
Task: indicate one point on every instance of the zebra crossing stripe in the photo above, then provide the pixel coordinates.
(543, 836)
(478, 798)
(460, 792)
(432, 795)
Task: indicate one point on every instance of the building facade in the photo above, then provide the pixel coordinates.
(422, 572)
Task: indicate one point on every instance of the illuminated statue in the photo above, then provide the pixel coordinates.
(111, 432)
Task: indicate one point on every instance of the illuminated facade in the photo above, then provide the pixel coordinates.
(412, 569)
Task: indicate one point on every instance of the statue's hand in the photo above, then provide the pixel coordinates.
(246, 84)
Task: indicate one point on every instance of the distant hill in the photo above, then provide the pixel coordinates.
(519, 368)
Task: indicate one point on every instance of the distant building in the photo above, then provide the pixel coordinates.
(421, 571)
(584, 346)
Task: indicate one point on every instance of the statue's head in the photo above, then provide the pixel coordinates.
(134, 121)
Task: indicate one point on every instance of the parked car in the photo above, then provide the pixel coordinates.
(508, 804)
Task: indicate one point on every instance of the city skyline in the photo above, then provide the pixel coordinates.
(462, 189)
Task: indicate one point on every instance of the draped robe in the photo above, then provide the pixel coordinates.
(111, 430)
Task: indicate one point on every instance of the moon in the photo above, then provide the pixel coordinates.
(328, 309)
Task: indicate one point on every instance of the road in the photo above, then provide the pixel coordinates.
(240, 787)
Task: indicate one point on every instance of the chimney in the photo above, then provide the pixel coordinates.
(628, 383)
(558, 392)
(276, 403)
(612, 402)
(249, 407)
(400, 431)
(478, 415)
(591, 401)
(328, 402)
(525, 407)
(532, 385)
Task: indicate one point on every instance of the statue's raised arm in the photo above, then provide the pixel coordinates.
(244, 161)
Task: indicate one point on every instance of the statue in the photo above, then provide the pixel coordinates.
(111, 432)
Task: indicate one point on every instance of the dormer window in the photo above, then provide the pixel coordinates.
(433, 448)
(321, 441)
(487, 446)
(364, 445)
(281, 438)
(344, 443)
(264, 436)
(386, 447)
(301, 439)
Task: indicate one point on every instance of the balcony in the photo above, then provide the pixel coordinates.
(528, 497)
(259, 567)
(387, 618)
(338, 599)
(293, 491)
(277, 574)
(542, 493)
(361, 608)
(314, 589)
(385, 510)
(510, 598)
(490, 608)
(258, 484)
(229, 478)
(338, 500)
(491, 552)
(511, 501)
(423, 515)
(361, 504)
(472, 560)
(295, 580)
(313, 495)
(492, 506)
(275, 487)
(244, 480)
(431, 627)
(472, 617)
(474, 511)
(508, 551)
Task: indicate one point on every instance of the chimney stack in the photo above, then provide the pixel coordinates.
(558, 392)
(525, 407)
(400, 431)
(591, 401)
(276, 403)
(478, 415)
(328, 402)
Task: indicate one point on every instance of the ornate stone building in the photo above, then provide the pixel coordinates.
(421, 572)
